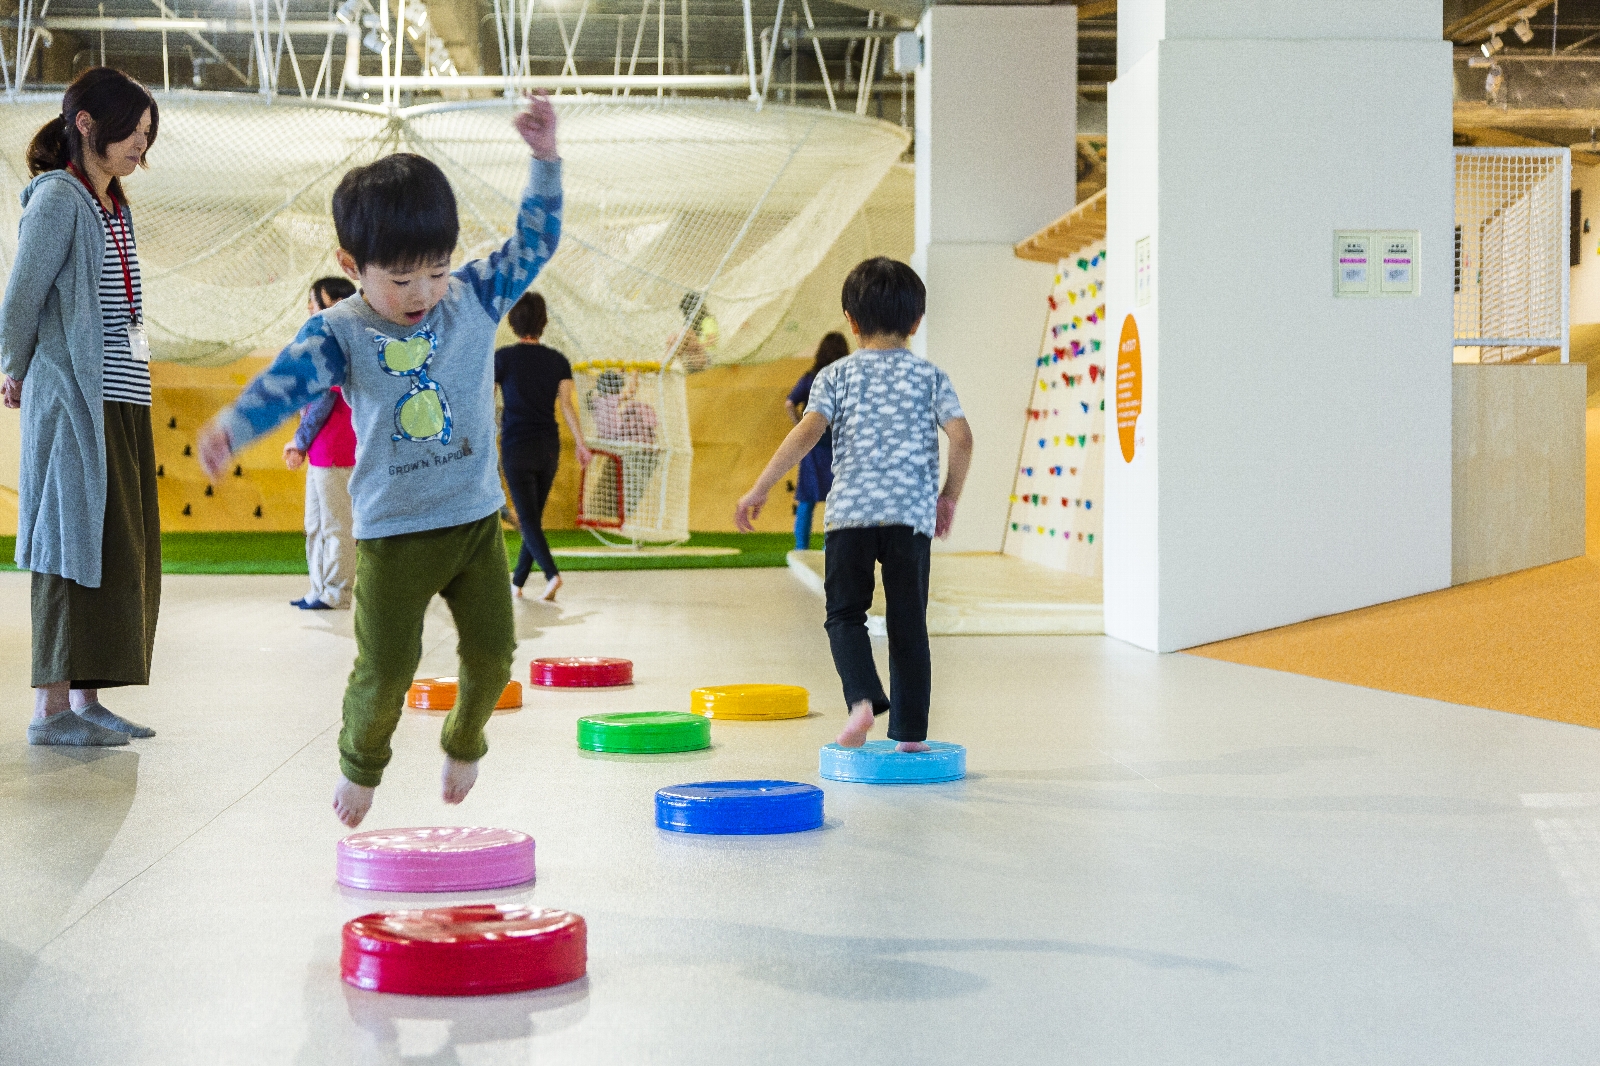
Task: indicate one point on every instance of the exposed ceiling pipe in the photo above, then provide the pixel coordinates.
(92, 23)
(355, 81)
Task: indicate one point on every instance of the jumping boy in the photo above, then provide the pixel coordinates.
(413, 357)
(885, 407)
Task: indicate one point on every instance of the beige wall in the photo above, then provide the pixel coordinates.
(1518, 471)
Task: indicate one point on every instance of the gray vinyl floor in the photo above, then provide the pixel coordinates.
(1155, 859)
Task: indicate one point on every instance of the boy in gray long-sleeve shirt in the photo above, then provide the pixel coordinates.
(413, 356)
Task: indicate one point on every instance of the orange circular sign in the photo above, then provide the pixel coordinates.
(1130, 386)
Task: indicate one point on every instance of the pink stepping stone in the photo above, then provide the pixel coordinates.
(435, 859)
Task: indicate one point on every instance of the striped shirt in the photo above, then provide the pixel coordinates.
(126, 379)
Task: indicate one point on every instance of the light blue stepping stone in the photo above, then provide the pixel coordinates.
(877, 763)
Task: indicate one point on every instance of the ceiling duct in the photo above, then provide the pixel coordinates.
(1536, 93)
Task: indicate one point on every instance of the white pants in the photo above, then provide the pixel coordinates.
(330, 547)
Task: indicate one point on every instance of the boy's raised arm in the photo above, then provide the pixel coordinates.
(311, 365)
(504, 275)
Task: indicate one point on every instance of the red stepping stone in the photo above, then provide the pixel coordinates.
(478, 950)
(581, 672)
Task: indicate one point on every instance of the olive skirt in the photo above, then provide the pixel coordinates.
(103, 637)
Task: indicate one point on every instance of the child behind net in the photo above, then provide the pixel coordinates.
(626, 425)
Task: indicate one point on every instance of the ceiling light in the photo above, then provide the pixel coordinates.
(1493, 45)
(1523, 31)
(1495, 82)
(348, 11)
(373, 42)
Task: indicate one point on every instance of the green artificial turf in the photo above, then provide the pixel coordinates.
(285, 553)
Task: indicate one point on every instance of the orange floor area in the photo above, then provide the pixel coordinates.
(1528, 642)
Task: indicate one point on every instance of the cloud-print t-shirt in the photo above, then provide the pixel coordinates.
(885, 409)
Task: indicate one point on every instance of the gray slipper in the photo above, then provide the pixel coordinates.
(69, 729)
(101, 715)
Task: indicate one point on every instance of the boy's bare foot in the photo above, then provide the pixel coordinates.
(911, 745)
(516, 590)
(550, 588)
(855, 730)
(351, 802)
(459, 777)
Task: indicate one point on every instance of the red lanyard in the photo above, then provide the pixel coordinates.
(111, 223)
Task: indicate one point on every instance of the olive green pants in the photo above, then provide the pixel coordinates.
(396, 578)
(104, 637)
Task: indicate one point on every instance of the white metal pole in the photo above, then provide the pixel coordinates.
(166, 69)
(661, 42)
(750, 52)
(822, 64)
(638, 40)
(772, 52)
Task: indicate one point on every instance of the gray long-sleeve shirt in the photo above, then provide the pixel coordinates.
(421, 397)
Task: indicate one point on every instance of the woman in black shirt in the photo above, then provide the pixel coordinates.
(532, 380)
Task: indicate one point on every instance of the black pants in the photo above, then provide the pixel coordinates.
(530, 487)
(904, 553)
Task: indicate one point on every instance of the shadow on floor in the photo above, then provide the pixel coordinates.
(60, 810)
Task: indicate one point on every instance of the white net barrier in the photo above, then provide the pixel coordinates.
(678, 213)
(1512, 250)
(635, 420)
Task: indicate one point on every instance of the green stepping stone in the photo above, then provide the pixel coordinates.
(644, 732)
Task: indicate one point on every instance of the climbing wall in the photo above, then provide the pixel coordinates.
(257, 494)
(1055, 515)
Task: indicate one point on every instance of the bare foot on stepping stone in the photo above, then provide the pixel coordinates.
(351, 802)
(911, 746)
(855, 730)
(459, 777)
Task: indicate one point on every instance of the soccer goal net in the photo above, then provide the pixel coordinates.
(634, 417)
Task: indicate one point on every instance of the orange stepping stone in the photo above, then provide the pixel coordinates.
(439, 694)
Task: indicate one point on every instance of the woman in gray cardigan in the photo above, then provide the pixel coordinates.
(77, 362)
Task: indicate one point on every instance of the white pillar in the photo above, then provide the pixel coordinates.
(1292, 456)
(996, 160)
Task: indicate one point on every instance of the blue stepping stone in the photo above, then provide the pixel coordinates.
(877, 763)
(739, 807)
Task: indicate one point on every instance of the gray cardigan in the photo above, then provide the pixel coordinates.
(52, 340)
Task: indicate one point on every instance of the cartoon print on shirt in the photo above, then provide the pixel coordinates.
(423, 414)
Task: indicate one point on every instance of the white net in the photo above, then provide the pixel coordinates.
(635, 419)
(1512, 248)
(677, 212)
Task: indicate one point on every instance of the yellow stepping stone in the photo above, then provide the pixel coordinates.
(750, 703)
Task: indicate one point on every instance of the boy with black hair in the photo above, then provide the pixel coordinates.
(412, 356)
(884, 406)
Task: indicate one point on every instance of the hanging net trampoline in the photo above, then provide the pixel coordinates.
(689, 229)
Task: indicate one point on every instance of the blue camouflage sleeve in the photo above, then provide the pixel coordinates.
(504, 275)
(305, 370)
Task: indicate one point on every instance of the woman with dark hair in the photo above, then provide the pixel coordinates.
(816, 469)
(76, 360)
(534, 380)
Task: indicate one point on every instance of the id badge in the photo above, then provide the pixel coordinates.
(139, 342)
